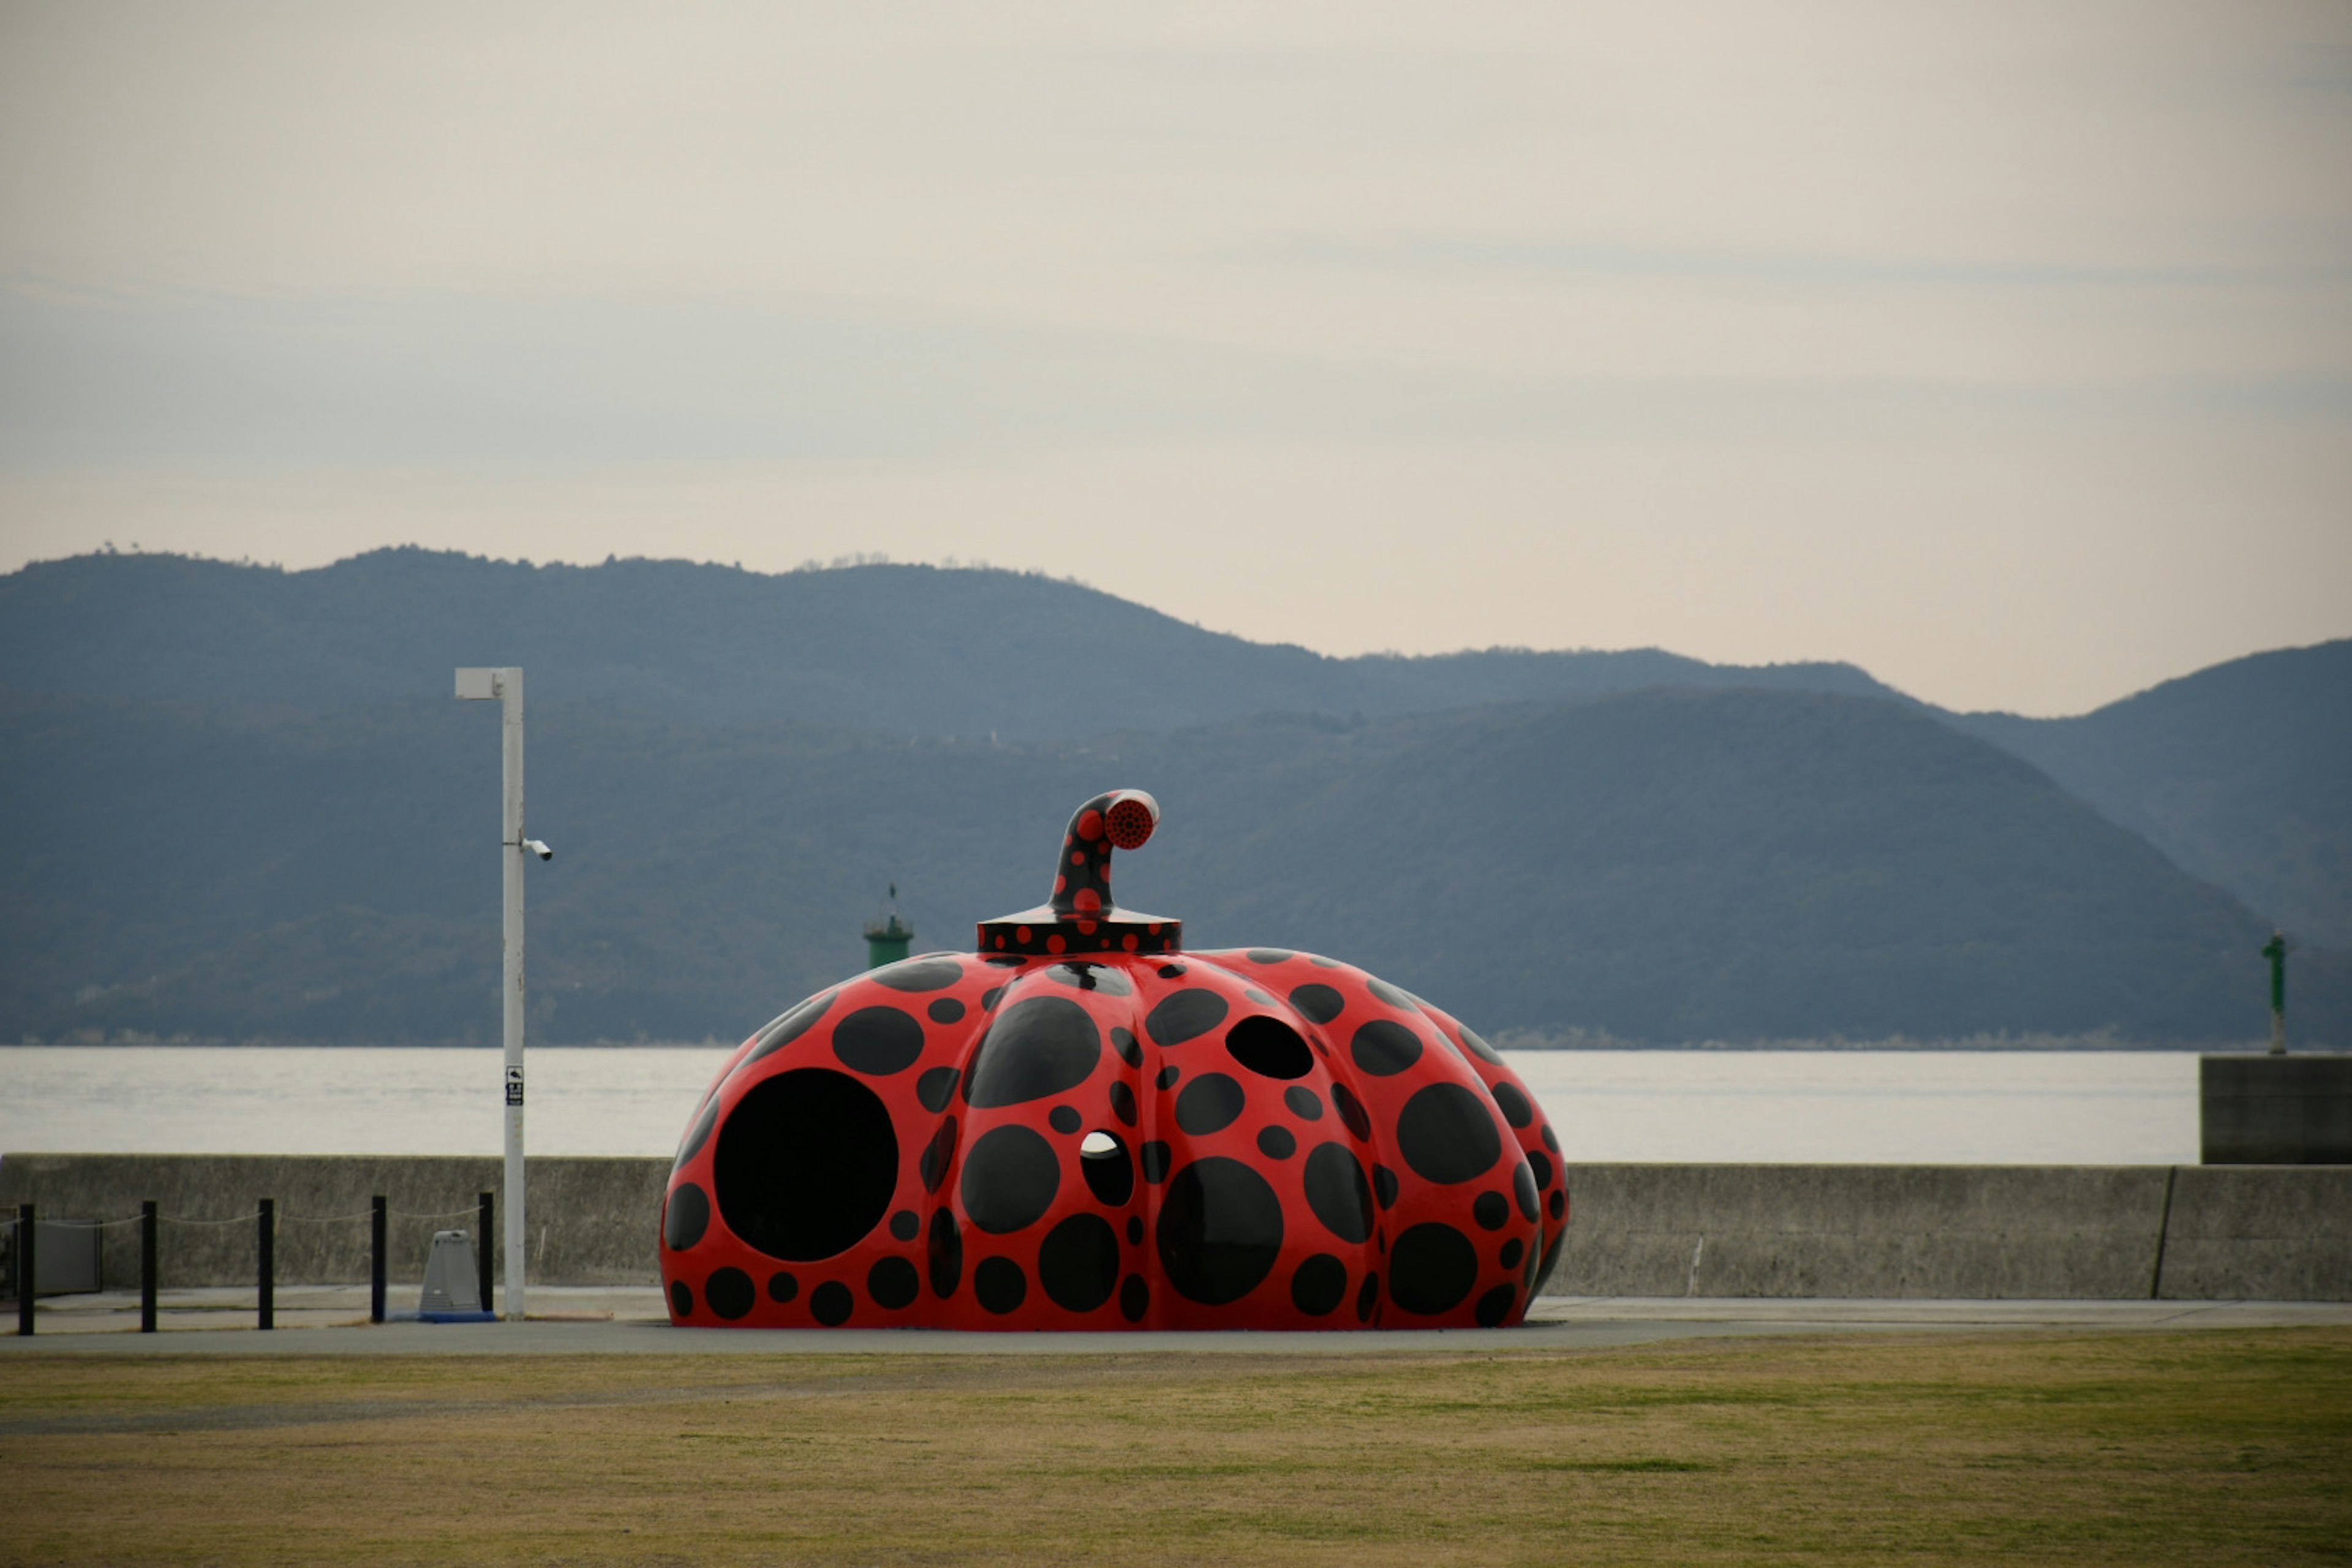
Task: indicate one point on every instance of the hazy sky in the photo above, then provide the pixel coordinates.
(2003, 349)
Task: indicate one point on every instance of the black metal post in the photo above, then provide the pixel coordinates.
(482, 1250)
(25, 1265)
(147, 1267)
(269, 1280)
(375, 1275)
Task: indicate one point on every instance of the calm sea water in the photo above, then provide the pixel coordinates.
(1900, 1107)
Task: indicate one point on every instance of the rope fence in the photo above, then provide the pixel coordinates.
(23, 1229)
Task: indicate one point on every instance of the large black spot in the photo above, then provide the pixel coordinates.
(1352, 1111)
(1512, 1104)
(1338, 1192)
(1480, 1048)
(1319, 1004)
(918, 975)
(1269, 1047)
(1000, 1284)
(1384, 1047)
(1037, 1048)
(681, 1299)
(1009, 1179)
(1155, 1162)
(1544, 1271)
(892, 1283)
(782, 1286)
(1099, 977)
(1303, 1102)
(1320, 1285)
(1277, 1143)
(1495, 1305)
(1078, 1263)
(806, 1163)
(1134, 1298)
(1167, 1077)
(1432, 1268)
(730, 1292)
(1541, 1163)
(1220, 1230)
(788, 1027)
(831, 1304)
(1491, 1210)
(1184, 1015)
(946, 1010)
(1402, 1003)
(1446, 1134)
(1109, 1173)
(932, 1089)
(945, 1258)
(1124, 1044)
(1522, 1187)
(1209, 1104)
(696, 1135)
(687, 1217)
(937, 1154)
(1559, 1205)
(1122, 1101)
(1513, 1251)
(878, 1041)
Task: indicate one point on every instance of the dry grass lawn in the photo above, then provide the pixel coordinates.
(2126, 1448)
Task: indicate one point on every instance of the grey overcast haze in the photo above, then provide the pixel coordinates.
(2002, 349)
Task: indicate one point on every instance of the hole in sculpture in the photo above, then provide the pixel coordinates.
(1109, 1173)
(807, 1164)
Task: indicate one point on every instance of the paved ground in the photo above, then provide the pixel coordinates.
(577, 1321)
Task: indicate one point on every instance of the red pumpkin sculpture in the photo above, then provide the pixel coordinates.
(1081, 1126)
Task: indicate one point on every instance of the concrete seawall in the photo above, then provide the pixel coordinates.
(2034, 1232)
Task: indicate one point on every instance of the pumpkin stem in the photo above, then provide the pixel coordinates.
(1121, 819)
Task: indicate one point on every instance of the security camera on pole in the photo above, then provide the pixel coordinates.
(505, 685)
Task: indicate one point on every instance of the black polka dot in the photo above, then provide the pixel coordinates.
(1352, 1111)
(1122, 1102)
(1184, 1015)
(1134, 1298)
(1277, 1143)
(1512, 1103)
(1513, 1251)
(1062, 1119)
(946, 1010)
(1384, 1185)
(783, 1287)
(1551, 1138)
(1303, 1102)
(1491, 1211)
(1559, 1205)
(1209, 1103)
(1368, 1298)
(1004, 961)
(934, 1088)
(1495, 1305)
(807, 1164)
(1269, 1047)
(1167, 1077)
(681, 1299)
(1256, 995)
(1078, 1263)
(1447, 1134)
(1270, 955)
(1039, 1047)
(789, 1026)
(1320, 1285)
(1541, 1165)
(1110, 1174)
(1097, 977)
(892, 1283)
(943, 1255)
(1219, 1231)
(1431, 1269)
(918, 975)
(1384, 1047)
(1171, 972)
(1155, 1162)
(1543, 1273)
(696, 1135)
(730, 1292)
(831, 1304)
(686, 1217)
(999, 1285)
(878, 1041)
(1480, 1048)
(1134, 1230)
(1123, 1042)
(990, 997)
(1010, 1178)
(1320, 962)
(904, 1224)
(1403, 1004)
(938, 1155)
(1337, 1191)
(1319, 1004)
(1522, 1187)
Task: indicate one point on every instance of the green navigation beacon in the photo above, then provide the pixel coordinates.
(2275, 950)
(887, 939)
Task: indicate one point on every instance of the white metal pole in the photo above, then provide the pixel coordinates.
(511, 699)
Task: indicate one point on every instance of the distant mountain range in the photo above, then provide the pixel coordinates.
(240, 803)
